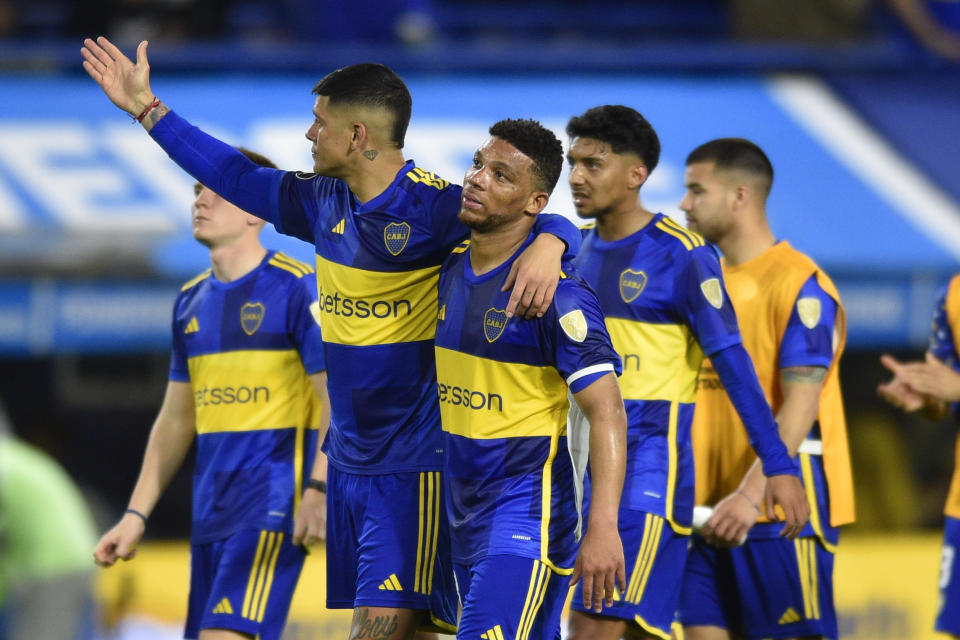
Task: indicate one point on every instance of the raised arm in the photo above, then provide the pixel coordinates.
(210, 161)
(169, 441)
(600, 563)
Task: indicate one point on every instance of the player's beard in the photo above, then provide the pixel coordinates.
(485, 225)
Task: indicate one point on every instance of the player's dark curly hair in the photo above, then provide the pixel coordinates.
(736, 153)
(536, 142)
(370, 85)
(623, 128)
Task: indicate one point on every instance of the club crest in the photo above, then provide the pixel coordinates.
(395, 236)
(494, 322)
(574, 324)
(713, 292)
(809, 311)
(632, 284)
(251, 315)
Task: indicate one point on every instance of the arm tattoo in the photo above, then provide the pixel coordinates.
(370, 154)
(809, 375)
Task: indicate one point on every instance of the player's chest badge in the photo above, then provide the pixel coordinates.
(494, 322)
(251, 315)
(632, 284)
(395, 236)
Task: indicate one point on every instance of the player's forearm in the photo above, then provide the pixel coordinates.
(739, 378)
(166, 449)
(553, 224)
(603, 407)
(219, 166)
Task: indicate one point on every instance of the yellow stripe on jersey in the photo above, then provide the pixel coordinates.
(806, 469)
(360, 307)
(660, 361)
(427, 178)
(537, 589)
(295, 267)
(652, 630)
(695, 238)
(293, 262)
(195, 280)
(672, 470)
(428, 531)
(251, 390)
(460, 248)
(547, 496)
(483, 399)
(676, 234)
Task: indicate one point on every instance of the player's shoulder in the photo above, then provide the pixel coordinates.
(674, 236)
(194, 281)
(424, 183)
(952, 287)
(282, 266)
(572, 290)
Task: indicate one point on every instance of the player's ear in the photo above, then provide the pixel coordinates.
(536, 203)
(359, 136)
(637, 176)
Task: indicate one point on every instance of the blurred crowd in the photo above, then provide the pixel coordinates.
(931, 24)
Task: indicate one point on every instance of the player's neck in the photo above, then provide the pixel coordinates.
(617, 225)
(232, 262)
(746, 243)
(369, 178)
(491, 249)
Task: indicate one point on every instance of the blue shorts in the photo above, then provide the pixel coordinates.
(509, 597)
(768, 588)
(243, 583)
(658, 555)
(388, 545)
(948, 616)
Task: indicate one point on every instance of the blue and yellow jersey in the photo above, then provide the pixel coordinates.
(944, 332)
(662, 293)
(246, 347)
(502, 385)
(377, 268)
(791, 316)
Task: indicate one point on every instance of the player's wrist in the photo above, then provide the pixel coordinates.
(317, 485)
(137, 514)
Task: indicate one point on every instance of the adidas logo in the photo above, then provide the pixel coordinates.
(340, 226)
(223, 607)
(493, 634)
(789, 617)
(391, 584)
(192, 327)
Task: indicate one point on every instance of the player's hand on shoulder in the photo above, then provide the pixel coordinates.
(533, 277)
(120, 543)
(601, 566)
(787, 492)
(310, 523)
(731, 521)
(126, 83)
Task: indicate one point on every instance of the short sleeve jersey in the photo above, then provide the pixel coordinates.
(503, 390)
(247, 348)
(662, 293)
(377, 268)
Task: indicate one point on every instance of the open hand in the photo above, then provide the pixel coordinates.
(125, 83)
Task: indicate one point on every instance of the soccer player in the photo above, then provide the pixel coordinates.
(247, 379)
(662, 292)
(933, 388)
(503, 388)
(381, 227)
(793, 327)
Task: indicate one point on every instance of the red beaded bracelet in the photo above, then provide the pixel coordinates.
(150, 107)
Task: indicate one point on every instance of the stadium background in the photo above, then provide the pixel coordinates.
(859, 118)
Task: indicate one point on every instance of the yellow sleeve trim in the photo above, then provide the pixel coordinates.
(196, 280)
(296, 263)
